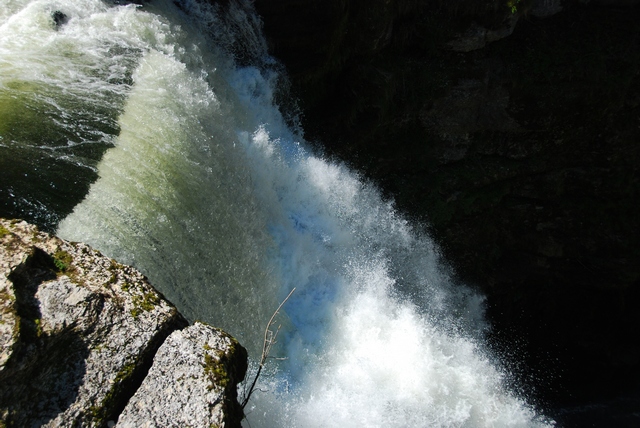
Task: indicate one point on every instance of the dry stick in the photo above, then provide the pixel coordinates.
(269, 341)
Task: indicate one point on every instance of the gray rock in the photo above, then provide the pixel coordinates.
(477, 37)
(78, 330)
(545, 8)
(469, 107)
(192, 382)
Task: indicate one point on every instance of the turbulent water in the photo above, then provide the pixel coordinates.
(203, 185)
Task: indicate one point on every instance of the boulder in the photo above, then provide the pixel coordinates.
(79, 332)
(477, 37)
(545, 8)
(192, 382)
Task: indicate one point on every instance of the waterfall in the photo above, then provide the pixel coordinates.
(209, 191)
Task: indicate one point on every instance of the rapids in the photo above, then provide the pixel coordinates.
(202, 184)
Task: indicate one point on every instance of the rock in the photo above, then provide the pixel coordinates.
(59, 18)
(545, 8)
(192, 382)
(469, 107)
(477, 36)
(79, 331)
(622, 3)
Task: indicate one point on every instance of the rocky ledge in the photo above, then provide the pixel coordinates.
(86, 341)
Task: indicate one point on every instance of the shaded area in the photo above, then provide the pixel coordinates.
(48, 157)
(39, 187)
(621, 412)
(42, 377)
(522, 157)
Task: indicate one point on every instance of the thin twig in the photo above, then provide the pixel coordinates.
(269, 341)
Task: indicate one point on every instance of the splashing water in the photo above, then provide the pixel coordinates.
(205, 188)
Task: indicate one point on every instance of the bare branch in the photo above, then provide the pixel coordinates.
(269, 340)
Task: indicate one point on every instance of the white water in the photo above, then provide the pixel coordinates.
(209, 193)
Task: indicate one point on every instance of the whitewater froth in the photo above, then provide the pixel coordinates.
(210, 193)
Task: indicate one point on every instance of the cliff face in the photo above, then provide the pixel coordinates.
(79, 332)
(512, 129)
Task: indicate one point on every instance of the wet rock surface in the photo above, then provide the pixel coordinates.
(79, 331)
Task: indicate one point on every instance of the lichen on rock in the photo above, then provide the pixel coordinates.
(79, 332)
(192, 382)
(71, 353)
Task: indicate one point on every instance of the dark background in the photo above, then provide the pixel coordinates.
(514, 135)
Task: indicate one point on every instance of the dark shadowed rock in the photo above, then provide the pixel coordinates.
(518, 150)
(59, 18)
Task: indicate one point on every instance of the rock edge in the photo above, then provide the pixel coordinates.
(80, 333)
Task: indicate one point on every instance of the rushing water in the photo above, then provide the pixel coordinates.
(202, 185)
